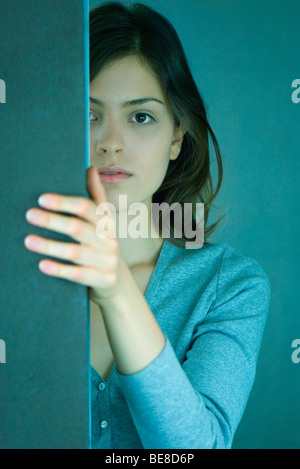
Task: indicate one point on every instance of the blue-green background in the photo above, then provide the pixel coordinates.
(244, 55)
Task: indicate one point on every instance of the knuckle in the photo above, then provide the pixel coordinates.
(111, 279)
(74, 250)
(113, 245)
(47, 248)
(60, 271)
(114, 261)
(83, 206)
(75, 274)
(75, 227)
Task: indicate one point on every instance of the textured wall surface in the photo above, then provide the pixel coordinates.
(44, 399)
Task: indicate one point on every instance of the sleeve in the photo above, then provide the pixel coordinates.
(199, 404)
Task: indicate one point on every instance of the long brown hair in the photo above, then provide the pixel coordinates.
(118, 30)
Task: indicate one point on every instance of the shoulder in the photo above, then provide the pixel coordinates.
(226, 268)
(227, 261)
(241, 271)
(242, 288)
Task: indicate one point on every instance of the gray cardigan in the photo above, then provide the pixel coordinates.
(211, 304)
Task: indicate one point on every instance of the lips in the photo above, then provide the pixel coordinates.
(113, 170)
(113, 174)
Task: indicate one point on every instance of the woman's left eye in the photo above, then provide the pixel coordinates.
(143, 114)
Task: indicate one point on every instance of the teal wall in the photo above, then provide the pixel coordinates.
(44, 325)
(244, 55)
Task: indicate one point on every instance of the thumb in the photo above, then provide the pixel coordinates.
(94, 186)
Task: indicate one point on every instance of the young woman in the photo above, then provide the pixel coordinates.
(175, 332)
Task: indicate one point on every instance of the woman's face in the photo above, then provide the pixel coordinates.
(140, 138)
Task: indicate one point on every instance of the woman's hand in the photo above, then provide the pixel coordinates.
(101, 266)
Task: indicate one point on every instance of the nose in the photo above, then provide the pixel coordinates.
(109, 140)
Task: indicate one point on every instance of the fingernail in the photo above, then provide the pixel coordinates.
(32, 215)
(44, 265)
(31, 242)
(44, 200)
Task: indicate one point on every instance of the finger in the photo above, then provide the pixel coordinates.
(74, 227)
(88, 276)
(81, 206)
(94, 186)
(77, 253)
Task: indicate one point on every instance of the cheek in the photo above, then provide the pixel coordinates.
(152, 159)
(93, 143)
(154, 146)
(153, 163)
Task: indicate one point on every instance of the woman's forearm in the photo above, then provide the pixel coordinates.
(135, 337)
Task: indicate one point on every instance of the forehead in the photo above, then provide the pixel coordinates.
(125, 78)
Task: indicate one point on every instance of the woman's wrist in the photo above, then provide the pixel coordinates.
(135, 337)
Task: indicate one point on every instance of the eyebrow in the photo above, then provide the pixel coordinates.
(133, 102)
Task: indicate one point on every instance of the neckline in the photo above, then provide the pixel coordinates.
(157, 272)
(149, 297)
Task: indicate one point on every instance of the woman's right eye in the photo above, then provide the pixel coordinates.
(93, 115)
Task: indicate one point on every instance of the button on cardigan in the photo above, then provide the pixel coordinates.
(211, 305)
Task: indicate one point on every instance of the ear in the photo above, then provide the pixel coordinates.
(177, 141)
